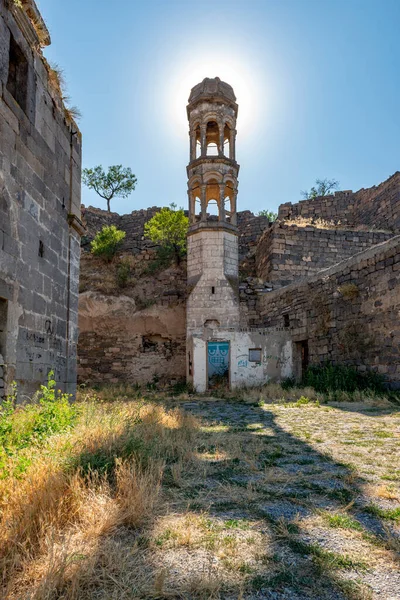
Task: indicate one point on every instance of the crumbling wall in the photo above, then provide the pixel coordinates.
(348, 313)
(250, 228)
(132, 223)
(40, 168)
(285, 253)
(134, 334)
(376, 207)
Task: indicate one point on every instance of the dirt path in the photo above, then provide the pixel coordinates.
(284, 502)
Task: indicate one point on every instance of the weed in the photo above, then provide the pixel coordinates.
(328, 377)
(123, 272)
(392, 514)
(343, 521)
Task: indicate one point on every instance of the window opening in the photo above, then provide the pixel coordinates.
(286, 321)
(41, 249)
(17, 83)
(227, 146)
(213, 290)
(255, 355)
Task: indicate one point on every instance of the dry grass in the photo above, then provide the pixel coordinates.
(144, 501)
(324, 224)
(102, 479)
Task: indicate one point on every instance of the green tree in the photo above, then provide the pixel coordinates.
(271, 216)
(168, 228)
(106, 242)
(322, 187)
(118, 182)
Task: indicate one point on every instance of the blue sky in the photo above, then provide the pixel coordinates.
(317, 82)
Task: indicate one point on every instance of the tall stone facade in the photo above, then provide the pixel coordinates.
(40, 227)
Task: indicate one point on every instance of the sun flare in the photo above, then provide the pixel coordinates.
(228, 69)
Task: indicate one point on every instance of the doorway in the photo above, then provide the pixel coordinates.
(302, 359)
(217, 364)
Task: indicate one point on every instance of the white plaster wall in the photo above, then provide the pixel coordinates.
(277, 357)
(199, 364)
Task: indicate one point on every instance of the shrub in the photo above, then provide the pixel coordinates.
(107, 241)
(168, 228)
(164, 257)
(329, 377)
(123, 272)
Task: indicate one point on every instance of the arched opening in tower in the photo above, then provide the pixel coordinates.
(227, 140)
(212, 138)
(212, 196)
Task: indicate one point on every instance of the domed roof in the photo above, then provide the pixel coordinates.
(211, 88)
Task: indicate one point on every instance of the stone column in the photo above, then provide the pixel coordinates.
(203, 140)
(232, 140)
(192, 136)
(203, 201)
(233, 207)
(221, 202)
(221, 127)
(192, 207)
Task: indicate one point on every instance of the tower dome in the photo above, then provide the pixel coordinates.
(212, 88)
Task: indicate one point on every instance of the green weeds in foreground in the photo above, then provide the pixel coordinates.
(29, 425)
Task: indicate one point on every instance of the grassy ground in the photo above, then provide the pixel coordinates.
(204, 498)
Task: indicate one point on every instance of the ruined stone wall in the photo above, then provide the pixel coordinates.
(287, 252)
(376, 207)
(136, 334)
(250, 228)
(132, 223)
(348, 313)
(40, 166)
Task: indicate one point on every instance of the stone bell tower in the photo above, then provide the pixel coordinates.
(213, 258)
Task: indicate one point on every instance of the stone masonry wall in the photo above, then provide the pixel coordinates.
(40, 167)
(287, 252)
(132, 223)
(136, 334)
(348, 313)
(250, 228)
(376, 207)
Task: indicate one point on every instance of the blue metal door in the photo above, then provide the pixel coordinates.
(217, 363)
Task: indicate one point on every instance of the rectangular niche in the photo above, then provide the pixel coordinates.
(255, 355)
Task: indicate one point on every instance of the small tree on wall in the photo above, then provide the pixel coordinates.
(169, 228)
(322, 187)
(118, 182)
(107, 242)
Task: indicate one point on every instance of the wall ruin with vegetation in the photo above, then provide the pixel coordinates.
(377, 207)
(135, 331)
(348, 313)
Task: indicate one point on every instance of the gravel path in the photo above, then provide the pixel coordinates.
(288, 502)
